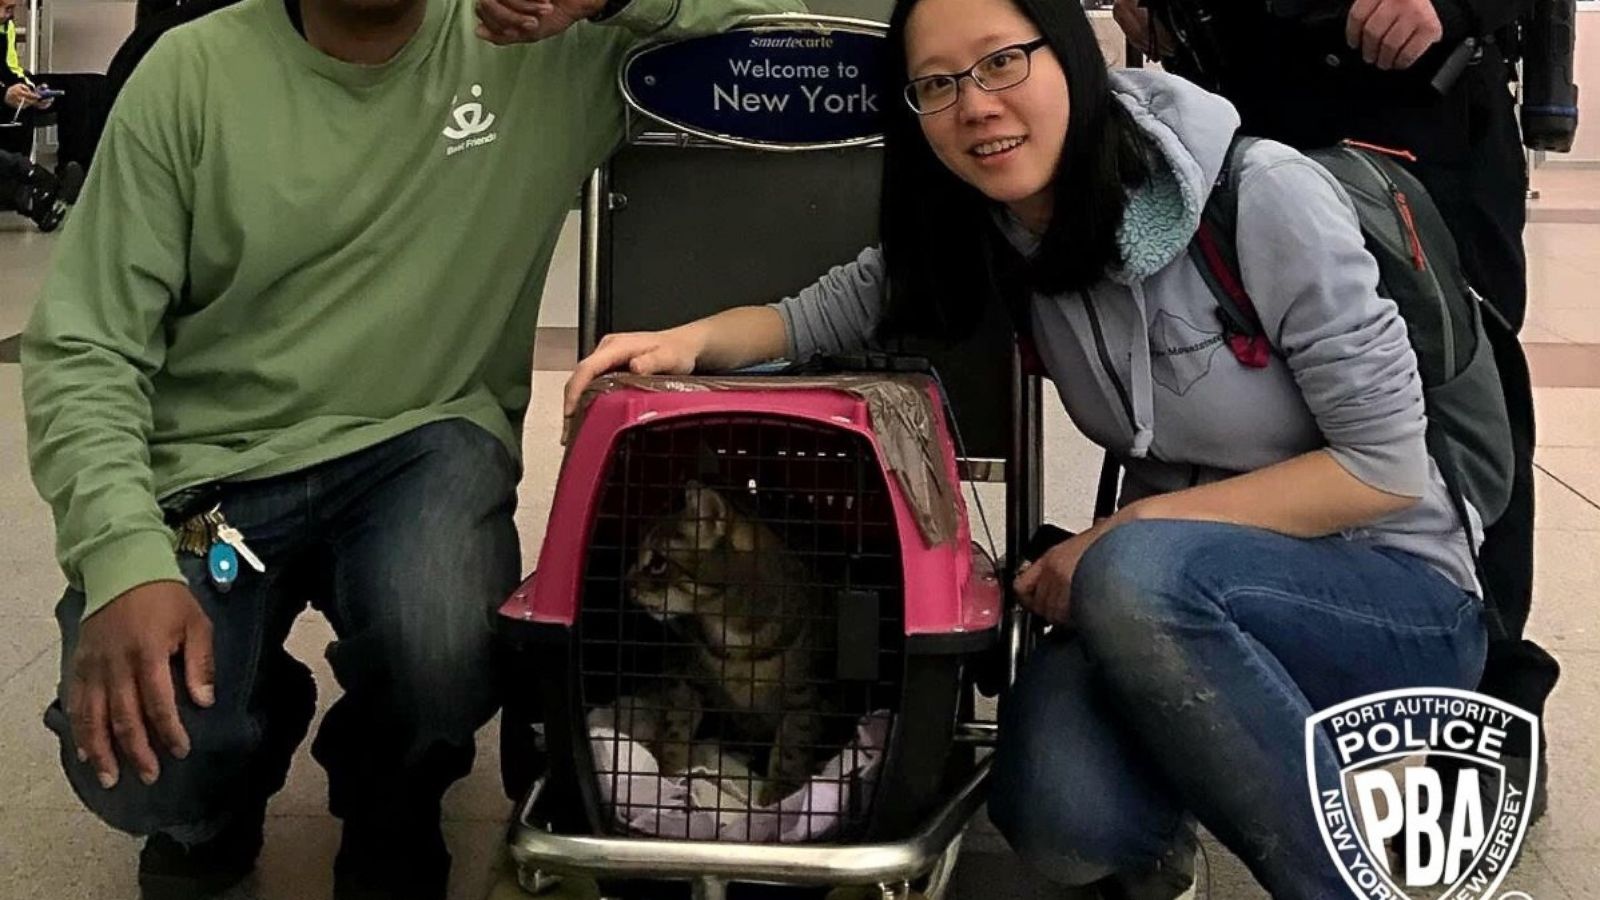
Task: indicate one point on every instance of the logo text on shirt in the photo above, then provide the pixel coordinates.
(471, 124)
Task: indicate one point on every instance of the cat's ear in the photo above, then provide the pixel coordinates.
(707, 522)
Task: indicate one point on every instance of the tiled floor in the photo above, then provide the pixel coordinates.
(1565, 192)
(50, 848)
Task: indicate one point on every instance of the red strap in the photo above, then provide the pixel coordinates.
(1406, 155)
(1413, 240)
(1252, 351)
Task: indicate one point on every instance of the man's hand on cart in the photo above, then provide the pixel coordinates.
(525, 21)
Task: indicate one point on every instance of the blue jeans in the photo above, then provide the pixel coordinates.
(1198, 652)
(407, 548)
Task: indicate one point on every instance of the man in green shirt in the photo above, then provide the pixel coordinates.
(283, 358)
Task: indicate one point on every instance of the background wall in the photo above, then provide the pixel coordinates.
(1586, 148)
(80, 35)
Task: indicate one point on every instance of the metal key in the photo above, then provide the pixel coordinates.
(233, 538)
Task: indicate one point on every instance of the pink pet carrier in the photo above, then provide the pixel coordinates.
(853, 483)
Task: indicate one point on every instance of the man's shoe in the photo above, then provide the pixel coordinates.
(389, 861)
(170, 871)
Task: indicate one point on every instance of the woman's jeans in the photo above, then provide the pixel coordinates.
(1197, 651)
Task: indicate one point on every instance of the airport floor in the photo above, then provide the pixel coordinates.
(51, 848)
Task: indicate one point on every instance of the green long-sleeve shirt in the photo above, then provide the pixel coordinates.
(280, 258)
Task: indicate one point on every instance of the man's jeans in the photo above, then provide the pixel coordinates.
(1198, 653)
(407, 548)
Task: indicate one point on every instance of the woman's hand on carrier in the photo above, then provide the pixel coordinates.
(1045, 585)
(672, 352)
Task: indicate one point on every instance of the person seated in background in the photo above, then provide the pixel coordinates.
(23, 97)
(31, 190)
(35, 191)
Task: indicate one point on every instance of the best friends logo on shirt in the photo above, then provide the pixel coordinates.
(470, 124)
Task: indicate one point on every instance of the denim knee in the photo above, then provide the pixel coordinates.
(1069, 792)
(417, 591)
(1140, 581)
(446, 666)
(425, 647)
(192, 798)
(431, 664)
(239, 747)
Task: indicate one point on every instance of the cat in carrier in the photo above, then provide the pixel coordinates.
(756, 633)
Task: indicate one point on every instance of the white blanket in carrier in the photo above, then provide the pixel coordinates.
(713, 801)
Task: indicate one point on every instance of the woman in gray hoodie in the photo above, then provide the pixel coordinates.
(1284, 541)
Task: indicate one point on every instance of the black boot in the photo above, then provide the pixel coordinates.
(169, 870)
(392, 859)
(1523, 674)
(48, 195)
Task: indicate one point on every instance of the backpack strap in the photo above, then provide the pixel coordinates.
(1215, 252)
(1444, 458)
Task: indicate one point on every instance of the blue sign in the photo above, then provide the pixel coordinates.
(788, 87)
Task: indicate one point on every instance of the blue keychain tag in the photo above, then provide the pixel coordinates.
(223, 564)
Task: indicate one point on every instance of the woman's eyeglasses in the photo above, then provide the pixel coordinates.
(1002, 69)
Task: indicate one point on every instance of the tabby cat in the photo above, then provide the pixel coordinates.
(758, 633)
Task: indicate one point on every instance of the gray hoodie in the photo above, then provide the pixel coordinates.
(1139, 360)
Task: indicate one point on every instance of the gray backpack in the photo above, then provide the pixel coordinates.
(1469, 433)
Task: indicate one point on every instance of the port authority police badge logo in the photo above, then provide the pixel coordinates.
(1455, 827)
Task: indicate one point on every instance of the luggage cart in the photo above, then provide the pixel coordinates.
(683, 221)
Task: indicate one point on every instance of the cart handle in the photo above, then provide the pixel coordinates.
(535, 848)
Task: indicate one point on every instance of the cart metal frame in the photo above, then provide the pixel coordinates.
(544, 857)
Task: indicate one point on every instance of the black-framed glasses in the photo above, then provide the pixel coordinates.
(1002, 69)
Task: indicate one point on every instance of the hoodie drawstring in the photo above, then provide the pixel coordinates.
(1143, 380)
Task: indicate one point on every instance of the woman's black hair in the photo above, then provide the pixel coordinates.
(946, 258)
